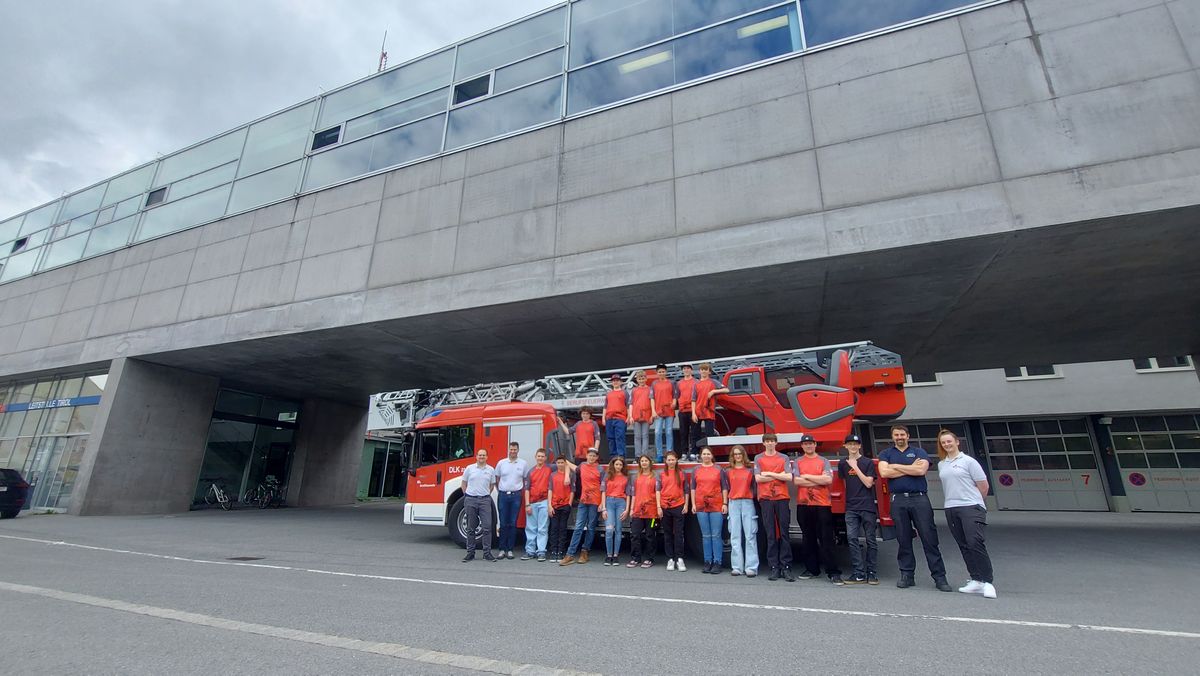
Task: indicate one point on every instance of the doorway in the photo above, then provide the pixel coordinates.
(250, 442)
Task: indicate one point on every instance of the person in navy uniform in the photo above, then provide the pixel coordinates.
(905, 466)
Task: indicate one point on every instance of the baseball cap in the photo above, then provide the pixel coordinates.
(808, 437)
(853, 438)
(616, 376)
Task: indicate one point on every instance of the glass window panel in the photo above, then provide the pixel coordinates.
(41, 390)
(928, 431)
(621, 78)
(1189, 441)
(1000, 445)
(737, 43)
(128, 208)
(202, 208)
(1162, 460)
(1127, 442)
(129, 185)
(408, 143)
(1051, 444)
(338, 164)
(268, 186)
(57, 420)
(9, 229)
(829, 20)
(1045, 427)
(6, 449)
(82, 418)
(1151, 423)
(1189, 460)
(214, 153)
(1039, 370)
(1020, 427)
(81, 224)
(93, 385)
(20, 455)
(995, 429)
(512, 44)
(1003, 462)
(1082, 461)
(1024, 445)
(1181, 422)
(1029, 461)
(394, 116)
(693, 14)
(473, 89)
(67, 388)
(20, 265)
(240, 403)
(1012, 371)
(1172, 362)
(327, 137)
(29, 425)
(1152, 442)
(23, 392)
(111, 236)
(106, 215)
(505, 113)
(1073, 426)
(277, 139)
(1123, 424)
(530, 70)
(65, 251)
(958, 428)
(39, 219)
(11, 425)
(602, 28)
(397, 84)
(1142, 364)
(201, 182)
(1078, 443)
(81, 202)
(1055, 461)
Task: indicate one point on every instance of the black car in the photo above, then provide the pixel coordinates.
(13, 490)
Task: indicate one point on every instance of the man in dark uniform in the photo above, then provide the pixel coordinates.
(904, 467)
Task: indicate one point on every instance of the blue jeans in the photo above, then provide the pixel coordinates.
(537, 528)
(508, 505)
(663, 436)
(585, 519)
(743, 522)
(641, 438)
(614, 434)
(710, 530)
(612, 525)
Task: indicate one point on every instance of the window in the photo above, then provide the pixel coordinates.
(472, 89)
(511, 44)
(391, 148)
(922, 379)
(214, 153)
(326, 138)
(516, 110)
(446, 443)
(156, 197)
(1155, 364)
(184, 213)
(1031, 372)
(265, 187)
(276, 140)
(394, 116)
(829, 20)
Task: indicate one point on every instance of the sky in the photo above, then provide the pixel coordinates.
(93, 87)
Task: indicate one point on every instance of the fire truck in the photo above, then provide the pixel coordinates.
(820, 391)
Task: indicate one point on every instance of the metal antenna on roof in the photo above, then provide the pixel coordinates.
(383, 54)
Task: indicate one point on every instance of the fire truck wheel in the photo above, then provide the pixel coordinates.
(456, 523)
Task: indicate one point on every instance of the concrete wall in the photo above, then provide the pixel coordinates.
(328, 452)
(147, 442)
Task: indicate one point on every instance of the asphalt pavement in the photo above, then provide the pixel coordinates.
(352, 590)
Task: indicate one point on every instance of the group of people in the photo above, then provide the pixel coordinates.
(646, 498)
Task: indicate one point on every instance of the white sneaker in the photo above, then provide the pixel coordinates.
(972, 587)
(670, 564)
(679, 566)
(989, 592)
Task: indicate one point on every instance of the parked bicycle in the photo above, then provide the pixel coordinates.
(267, 494)
(218, 495)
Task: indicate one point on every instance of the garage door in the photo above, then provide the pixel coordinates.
(1159, 457)
(1047, 464)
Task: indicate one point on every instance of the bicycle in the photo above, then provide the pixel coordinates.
(219, 496)
(264, 495)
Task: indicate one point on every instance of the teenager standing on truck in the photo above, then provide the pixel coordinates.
(704, 411)
(537, 507)
(710, 495)
(479, 480)
(560, 505)
(773, 473)
(645, 509)
(965, 486)
(615, 507)
(814, 511)
(641, 410)
(510, 482)
(585, 433)
(743, 522)
(666, 397)
(590, 476)
(905, 466)
(673, 498)
(687, 396)
(616, 412)
(858, 475)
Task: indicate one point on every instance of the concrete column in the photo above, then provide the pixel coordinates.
(147, 444)
(328, 452)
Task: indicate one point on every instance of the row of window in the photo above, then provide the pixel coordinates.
(1144, 365)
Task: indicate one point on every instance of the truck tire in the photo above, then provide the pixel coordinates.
(456, 523)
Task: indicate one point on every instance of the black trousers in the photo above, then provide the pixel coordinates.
(641, 537)
(559, 531)
(479, 522)
(911, 511)
(817, 547)
(705, 428)
(687, 436)
(672, 523)
(967, 525)
(776, 520)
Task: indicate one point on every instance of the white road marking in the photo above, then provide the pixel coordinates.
(469, 662)
(631, 597)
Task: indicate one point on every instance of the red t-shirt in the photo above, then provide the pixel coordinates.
(664, 392)
(706, 406)
(644, 504)
(538, 480)
(589, 482)
(687, 394)
(616, 404)
(812, 495)
(560, 483)
(617, 486)
(670, 485)
(773, 489)
(741, 482)
(708, 482)
(585, 436)
(642, 409)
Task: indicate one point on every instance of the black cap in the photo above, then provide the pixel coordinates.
(808, 437)
(853, 438)
(616, 376)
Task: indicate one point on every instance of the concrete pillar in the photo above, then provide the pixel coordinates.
(147, 443)
(328, 452)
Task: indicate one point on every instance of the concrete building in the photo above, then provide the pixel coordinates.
(972, 184)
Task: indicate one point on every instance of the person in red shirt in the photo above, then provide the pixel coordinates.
(585, 433)
(710, 495)
(666, 397)
(673, 498)
(813, 475)
(646, 508)
(560, 507)
(743, 522)
(773, 473)
(537, 507)
(686, 391)
(616, 412)
(615, 507)
(704, 411)
(590, 476)
(641, 410)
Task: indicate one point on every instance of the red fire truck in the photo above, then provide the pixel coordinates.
(820, 391)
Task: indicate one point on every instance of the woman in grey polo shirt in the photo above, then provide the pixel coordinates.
(965, 484)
